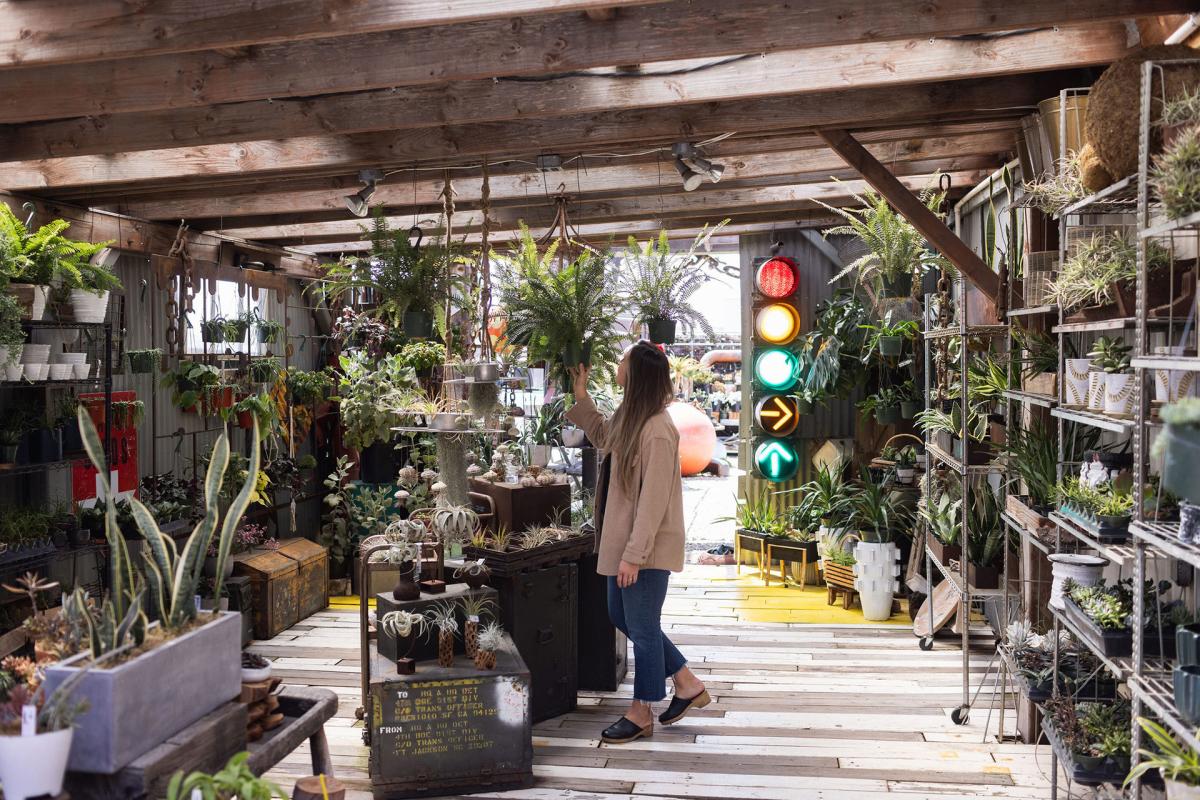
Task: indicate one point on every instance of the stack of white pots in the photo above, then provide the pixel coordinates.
(65, 366)
(1096, 390)
(876, 569)
(36, 359)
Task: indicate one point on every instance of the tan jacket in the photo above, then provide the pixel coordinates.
(643, 525)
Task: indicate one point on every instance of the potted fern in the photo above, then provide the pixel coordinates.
(189, 661)
(659, 283)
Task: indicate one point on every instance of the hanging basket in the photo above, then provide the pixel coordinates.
(661, 330)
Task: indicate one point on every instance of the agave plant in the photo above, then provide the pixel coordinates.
(659, 283)
(173, 576)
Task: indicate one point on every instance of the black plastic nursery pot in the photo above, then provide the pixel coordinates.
(887, 415)
(1181, 461)
(891, 345)
(418, 324)
(909, 409)
(213, 333)
(144, 362)
(576, 354)
(898, 286)
(661, 330)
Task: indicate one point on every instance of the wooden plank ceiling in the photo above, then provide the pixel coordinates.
(253, 120)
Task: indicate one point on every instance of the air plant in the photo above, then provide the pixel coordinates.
(491, 637)
(403, 624)
(1176, 175)
(1088, 276)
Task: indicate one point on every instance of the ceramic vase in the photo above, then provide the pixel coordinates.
(1118, 394)
(89, 306)
(1075, 387)
(1172, 384)
(875, 572)
(1097, 383)
(1084, 570)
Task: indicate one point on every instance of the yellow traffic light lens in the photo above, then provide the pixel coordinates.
(778, 323)
(777, 414)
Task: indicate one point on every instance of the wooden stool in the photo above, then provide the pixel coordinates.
(847, 595)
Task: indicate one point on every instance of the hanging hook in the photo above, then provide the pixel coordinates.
(31, 209)
(145, 284)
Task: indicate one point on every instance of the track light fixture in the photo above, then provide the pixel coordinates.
(693, 167)
(359, 202)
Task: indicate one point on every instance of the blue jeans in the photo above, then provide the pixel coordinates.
(636, 612)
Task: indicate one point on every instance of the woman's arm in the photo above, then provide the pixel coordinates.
(658, 467)
(585, 414)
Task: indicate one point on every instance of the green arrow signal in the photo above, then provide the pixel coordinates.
(776, 461)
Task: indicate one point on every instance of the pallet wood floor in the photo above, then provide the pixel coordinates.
(823, 711)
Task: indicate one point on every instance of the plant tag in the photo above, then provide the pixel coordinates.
(29, 720)
(199, 606)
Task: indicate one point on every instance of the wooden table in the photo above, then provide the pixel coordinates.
(209, 743)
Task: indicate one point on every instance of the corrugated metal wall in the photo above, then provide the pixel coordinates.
(835, 419)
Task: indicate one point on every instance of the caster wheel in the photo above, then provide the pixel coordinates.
(926, 643)
(959, 715)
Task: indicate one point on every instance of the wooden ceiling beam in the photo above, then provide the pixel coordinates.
(990, 98)
(315, 192)
(531, 187)
(791, 72)
(711, 202)
(70, 31)
(526, 46)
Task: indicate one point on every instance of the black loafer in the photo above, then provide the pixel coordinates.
(625, 730)
(680, 706)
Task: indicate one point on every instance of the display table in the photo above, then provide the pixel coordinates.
(207, 745)
(449, 730)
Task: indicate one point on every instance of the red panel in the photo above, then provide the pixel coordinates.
(777, 277)
(124, 450)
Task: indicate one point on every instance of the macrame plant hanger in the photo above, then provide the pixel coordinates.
(561, 228)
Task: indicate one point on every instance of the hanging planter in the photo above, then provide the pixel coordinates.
(909, 408)
(891, 345)
(661, 330)
(577, 354)
(887, 415)
(418, 324)
(268, 332)
(213, 330)
(143, 361)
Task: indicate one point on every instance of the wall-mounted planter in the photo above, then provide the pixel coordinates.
(141, 703)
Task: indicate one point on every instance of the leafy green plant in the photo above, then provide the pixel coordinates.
(1184, 412)
(876, 511)
(269, 331)
(262, 407)
(659, 283)
(12, 335)
(563, 312)
(371, 395)
(213, 329)
(234, 781)
(1111, 355)
(423, 356)
(1174, 761)
(1115, 504)
(1033, 456)
(1176, 175)
(987, 379)
(309, 386)
(1039, 351)
(906, 329)
(45, 256)
(336, 533)
(237, 327)
(264, 370)
(829, 355)
(895, 248)
(189, 381)
(884, 397)
(934, 420)
(144, 360)
(943, 517)
(843, 558)
(986, 534)
(758, 513)
(822, 499)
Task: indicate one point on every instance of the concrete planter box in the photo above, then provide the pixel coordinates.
(142, 703)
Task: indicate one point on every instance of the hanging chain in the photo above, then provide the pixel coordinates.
(485, 266)
(448, 213)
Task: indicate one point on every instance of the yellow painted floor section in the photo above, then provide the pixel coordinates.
(714, 591)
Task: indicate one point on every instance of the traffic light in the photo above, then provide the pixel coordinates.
(775, 368)
(776, 460)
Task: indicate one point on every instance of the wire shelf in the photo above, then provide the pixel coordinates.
(1102, 421)
(1119, 198)
(1191, 221)
(971, 330)
(1120, 554)
(1156, 690)
(1032, 398)
(956, 579)
(1028, 535)
(1185, 363)
(1032, 311)
(1165, 537)
(957, 465)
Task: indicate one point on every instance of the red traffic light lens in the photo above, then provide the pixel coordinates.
(776, 278)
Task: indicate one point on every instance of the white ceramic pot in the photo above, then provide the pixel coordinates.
(1082, 569)
(10, 354)
(37, 296)
(905, 474)
(1181, 791)
(36, 372)
(875, 572)
(1118, 395)
(88, 306)
(1075, 387)
(255, 675)
(1097, 381)
(539, 454)
(33, 766)
(574, 437)
(35, 354)
(1172, 384)
(13, 372)
(58, 339)
(60, 372)
(80, 371)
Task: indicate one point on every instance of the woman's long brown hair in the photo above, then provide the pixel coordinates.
(648, 390)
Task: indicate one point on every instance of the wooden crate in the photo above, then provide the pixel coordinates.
(275, 584)
(313, 561)
(519, 508)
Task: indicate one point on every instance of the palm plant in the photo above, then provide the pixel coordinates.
(564, 315)
(895, 248)
(659, 283)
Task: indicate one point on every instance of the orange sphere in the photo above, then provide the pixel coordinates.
(697, 438)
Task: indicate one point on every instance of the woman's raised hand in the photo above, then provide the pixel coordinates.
(579, 377)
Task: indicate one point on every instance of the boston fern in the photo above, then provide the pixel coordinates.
(659, 283)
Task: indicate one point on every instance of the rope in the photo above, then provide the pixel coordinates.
(485, 266)
(448, 213)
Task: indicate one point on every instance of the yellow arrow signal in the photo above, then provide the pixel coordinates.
(778, 415)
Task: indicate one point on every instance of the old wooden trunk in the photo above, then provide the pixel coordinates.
(450, 730)
(275, 582)
(313, 561)
(520, 508)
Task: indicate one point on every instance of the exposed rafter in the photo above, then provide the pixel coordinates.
(788, 72)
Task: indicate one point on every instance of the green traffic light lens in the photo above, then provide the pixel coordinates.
(776, 460)
(776, 369)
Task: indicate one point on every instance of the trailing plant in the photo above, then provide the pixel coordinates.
(264, 370)
(237, 327)
(895, 247)
(309, 386)
(658, 284)
(906, 329)
(269, 331)
(146, 360)
(189, 381)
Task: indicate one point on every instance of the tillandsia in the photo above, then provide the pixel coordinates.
(403, 624)
(1176, 175)
(1098, 264)
(491, 637)
(475, 606)
(443, 616)
(1058, 188)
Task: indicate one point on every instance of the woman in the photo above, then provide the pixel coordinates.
(640, 527)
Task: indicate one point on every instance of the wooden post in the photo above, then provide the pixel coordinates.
(933, 229)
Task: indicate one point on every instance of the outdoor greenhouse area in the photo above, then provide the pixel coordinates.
(599, 399)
